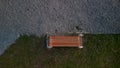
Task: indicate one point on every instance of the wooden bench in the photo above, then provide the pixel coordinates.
(64, 41)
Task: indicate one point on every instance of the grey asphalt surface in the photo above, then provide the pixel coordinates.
(41, 16)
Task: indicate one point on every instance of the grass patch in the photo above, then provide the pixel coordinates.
(100, 51)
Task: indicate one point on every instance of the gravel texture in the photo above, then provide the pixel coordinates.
(41, 16)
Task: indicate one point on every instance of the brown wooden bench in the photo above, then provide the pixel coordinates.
(64, 41)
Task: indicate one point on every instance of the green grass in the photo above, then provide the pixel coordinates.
(100, 51)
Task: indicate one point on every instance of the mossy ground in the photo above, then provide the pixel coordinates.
(100, 51)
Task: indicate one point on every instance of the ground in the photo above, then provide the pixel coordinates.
(100, 51)
(48, 16)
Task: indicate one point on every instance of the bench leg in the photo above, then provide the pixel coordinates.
(80, 46)
(81, 35)
(49, 47)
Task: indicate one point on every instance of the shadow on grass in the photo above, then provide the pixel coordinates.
(100, 51)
